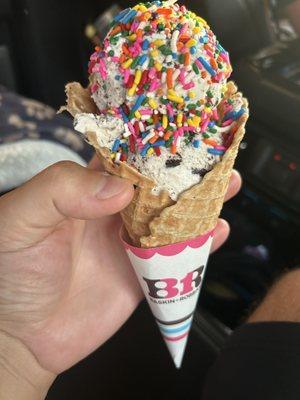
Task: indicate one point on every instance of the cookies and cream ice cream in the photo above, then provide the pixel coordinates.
(157, 83)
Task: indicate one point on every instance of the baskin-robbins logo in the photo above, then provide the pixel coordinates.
(172, 290)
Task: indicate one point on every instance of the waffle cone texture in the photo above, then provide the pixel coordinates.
(152, 220)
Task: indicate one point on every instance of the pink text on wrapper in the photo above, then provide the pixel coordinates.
(169, 288)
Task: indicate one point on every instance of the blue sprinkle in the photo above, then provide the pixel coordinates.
(196, 143)
(159, 143)
(193, 50)
(144, 134)
(142, 59)
(175, 56)
(146, 44)
(124, 116)
(138, 102)
(211, 124)
(158, 125)
(187, 98)
(215, 152)
(234, 114)
(145, 149)
(171, 119)
(116, 145)
(121, 14)
(128, 17)
(207, 66)
(123, 145)
(117, 77)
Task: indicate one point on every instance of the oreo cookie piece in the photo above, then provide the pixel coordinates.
(174, 161)
(199, 171)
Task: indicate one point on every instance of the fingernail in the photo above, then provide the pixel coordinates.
(111, 186)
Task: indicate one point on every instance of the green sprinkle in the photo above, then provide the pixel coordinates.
(169, 142)
(160, 27)
(205, 135)
(147, 28)
(111, 53)
(146, 86)
(196, 69)
(191, 106)
(145, 101)
(212, 130)
(181, 58)
(209, 94)
(151, 62)
(135, 62)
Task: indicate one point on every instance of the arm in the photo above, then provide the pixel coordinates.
(21, 376)
(261, 360)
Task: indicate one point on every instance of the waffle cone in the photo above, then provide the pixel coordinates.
(152, 220)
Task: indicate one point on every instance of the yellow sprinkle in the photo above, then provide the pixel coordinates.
(132, 90)
(150, 151)
(158, 66)
(191, 43)
(207, 109)
(196, 30)
(176, 99)
(190, 122)
(196, 120)
(137, 7)
(165, 121)
(126, 64)
(179, 119)
(172, 92)
(154, 53)
(112, 156)
(132, 37)
(191, 94)
(137, 115)
(152, 103)
(142, 8)
(138, 76)
(159, 42)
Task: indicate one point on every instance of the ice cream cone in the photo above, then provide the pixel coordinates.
(152, 220)
(167, 241)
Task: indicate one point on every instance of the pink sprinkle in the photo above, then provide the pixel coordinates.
(115, 59)
(183, 29)
(209, 53)
(126, 73)
(198, 63)
(152, 73)
(189, 128)
(220, 148)
(215, 114)
(182, 76)
(228, 122)
(146, 111)
(225, 57)
(160, 129)
(134, 26)
(131, 128)
(170, 110)
(189, 85)
(94, 88)
(154, 85)
(102, 69)
(204, 125)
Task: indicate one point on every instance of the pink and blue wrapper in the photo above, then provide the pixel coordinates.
(171, 278)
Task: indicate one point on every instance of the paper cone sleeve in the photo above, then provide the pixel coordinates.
(171, 278)
(152, 220)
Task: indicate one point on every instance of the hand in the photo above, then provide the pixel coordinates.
(66, 284)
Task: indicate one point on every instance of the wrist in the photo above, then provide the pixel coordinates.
(21, 376)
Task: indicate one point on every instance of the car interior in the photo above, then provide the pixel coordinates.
(44, 44)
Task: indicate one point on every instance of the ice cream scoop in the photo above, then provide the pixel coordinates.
(158, 82)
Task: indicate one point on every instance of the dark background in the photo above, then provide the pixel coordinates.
(43, 45)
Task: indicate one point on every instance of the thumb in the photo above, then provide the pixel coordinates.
(63, 190)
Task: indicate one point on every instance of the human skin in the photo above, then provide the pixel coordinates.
(64, 273)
